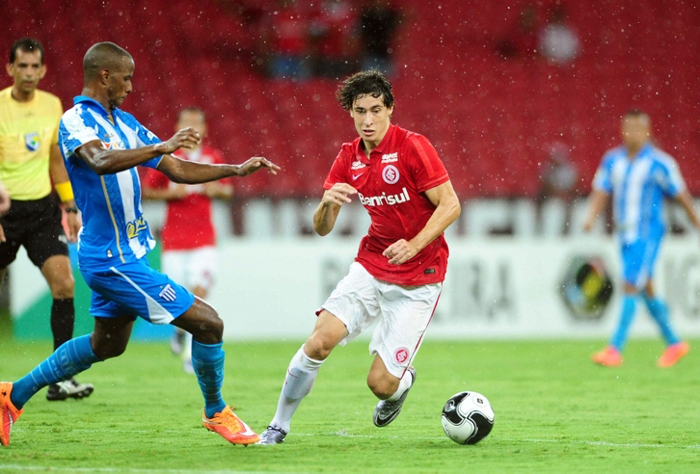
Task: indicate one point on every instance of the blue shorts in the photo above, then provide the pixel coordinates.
(135, 289)
(638, 259)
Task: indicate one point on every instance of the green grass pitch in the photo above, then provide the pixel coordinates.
(555, 412)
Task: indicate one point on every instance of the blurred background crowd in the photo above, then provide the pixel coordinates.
(519, 97)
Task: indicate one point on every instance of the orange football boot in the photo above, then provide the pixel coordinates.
(8, 412)
(673, 354)
(608, 357)
(230, 427)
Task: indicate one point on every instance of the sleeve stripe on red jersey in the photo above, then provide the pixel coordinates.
(423, 156)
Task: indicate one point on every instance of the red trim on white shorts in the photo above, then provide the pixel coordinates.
(415, 349)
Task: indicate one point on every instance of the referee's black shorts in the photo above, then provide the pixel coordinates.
(36, 225)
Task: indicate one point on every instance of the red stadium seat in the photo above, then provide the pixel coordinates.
(490, 118)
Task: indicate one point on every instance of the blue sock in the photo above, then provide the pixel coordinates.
(208, 364)
(659, 311)
(629, 305)
(69, 359)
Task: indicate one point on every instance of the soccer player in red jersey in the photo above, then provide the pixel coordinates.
(188, 236)
(398, 272)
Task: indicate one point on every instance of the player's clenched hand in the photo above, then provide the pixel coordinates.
(2, 234)
(184, 138)
(339, 194)
(400, 252)
(74, 224)
(256, 163)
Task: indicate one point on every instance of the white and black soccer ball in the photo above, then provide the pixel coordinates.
(467, 417)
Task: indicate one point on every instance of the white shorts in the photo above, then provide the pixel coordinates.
(403, 313)
(191, 268)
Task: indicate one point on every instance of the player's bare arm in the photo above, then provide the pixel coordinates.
(190, 172)
(686, 201)
(59, 175)
(598, 201)
(4, 200)
(103, 161)
(329, 207)
(447, 210)
(4, 207)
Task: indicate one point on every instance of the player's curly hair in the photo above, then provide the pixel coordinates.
(370, 82)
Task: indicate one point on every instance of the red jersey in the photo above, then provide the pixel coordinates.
(391, 185)
(188, 224)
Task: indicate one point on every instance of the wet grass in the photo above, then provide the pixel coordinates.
(555, 412)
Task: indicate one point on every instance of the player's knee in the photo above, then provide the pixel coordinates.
(62, 288)
(210, 330)
(217, 327)
(317, 347)
(381, 386)
(109, 349)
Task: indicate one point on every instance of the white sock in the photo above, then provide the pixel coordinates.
(300, 378)
(404, 384)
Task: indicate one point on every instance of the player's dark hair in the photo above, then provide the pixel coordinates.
(635, 113)
(28, 45)
(102, 55)
(638, 114)
(370, 82)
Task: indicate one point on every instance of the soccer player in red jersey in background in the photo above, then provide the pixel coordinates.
(188, 236)
(398, 273)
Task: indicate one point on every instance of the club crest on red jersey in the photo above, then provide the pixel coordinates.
(390, 174)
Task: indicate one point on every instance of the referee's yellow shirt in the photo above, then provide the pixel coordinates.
(27, 131)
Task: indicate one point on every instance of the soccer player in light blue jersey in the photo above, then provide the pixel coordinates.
(639, 177)
(101, 146)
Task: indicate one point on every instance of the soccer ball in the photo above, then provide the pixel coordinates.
(467, 418)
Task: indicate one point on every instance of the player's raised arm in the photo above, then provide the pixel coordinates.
(327, 211)
(447, 210)
(190, 172)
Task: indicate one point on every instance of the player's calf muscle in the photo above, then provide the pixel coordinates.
(382, 387)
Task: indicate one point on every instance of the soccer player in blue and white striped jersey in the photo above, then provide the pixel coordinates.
(639, 177)
(101, 146)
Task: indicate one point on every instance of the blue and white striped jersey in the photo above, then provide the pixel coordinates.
(639, 186)
(113, 223)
